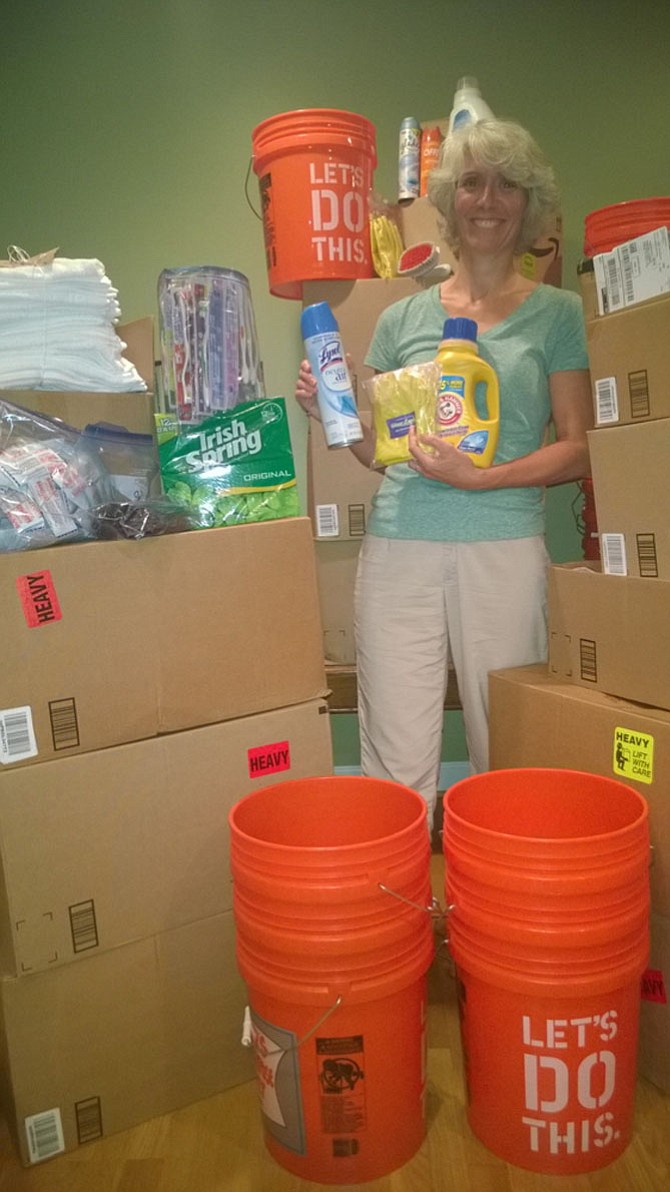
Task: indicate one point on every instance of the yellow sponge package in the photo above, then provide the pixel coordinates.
(400, 399)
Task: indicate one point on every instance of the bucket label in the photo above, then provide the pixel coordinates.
(341, 1075)
(451, 417)
(278, 1076)
(339, 216)
(269, 230)
(633, 755)
(570, 1070)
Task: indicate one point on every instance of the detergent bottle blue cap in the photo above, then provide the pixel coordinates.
(460, 328)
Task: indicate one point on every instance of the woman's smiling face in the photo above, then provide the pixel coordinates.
(489, 209)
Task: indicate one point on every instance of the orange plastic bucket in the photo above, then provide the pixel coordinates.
(315, 169)
(609, 226)
(331, 887)
(548, 893)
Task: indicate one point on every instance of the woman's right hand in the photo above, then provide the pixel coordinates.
(305, 390)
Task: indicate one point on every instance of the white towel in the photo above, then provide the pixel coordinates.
(57, 329)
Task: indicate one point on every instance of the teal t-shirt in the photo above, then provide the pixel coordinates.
(543, 335)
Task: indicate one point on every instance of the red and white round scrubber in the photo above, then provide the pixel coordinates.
(421, 259)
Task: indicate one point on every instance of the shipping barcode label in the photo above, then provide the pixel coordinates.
(327, 521)
(608, 282)
(17, 735)
(607, 400)
(613, 297)
(613, 550)
(626, 252)
(44, 1135)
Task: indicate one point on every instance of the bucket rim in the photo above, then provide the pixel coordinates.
(353, 849)
(323, 114)
(629, 204)
(496, 834)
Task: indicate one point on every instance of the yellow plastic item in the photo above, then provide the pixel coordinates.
(386, 245)
(400, 399)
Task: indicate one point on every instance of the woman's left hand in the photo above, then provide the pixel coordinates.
(442, 461)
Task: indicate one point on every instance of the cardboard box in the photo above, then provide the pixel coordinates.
(336, 564)
(94, 1048)
(629, 358)
(108, 642)
(339, 489)
(654, 1050)
(610, 632)
(538, 721)
(134, 411)
(114, 846)
(630, 483)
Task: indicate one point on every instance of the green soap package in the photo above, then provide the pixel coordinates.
(235, 466)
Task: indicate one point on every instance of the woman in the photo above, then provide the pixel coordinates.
(454, 562)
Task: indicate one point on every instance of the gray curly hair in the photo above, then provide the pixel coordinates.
(506, 146)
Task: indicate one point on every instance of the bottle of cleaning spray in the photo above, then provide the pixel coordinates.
(458, 417)
(335, 395)
(409, 159)
(468, 104)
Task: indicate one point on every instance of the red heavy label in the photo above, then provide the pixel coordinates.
(39, 601)
(269, 759)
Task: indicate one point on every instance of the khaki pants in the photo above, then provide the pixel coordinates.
(419, 605)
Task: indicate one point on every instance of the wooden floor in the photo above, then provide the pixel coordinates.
(216, 1145)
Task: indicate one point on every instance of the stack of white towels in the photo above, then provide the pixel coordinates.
(57, 328)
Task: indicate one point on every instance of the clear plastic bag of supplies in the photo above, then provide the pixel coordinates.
(49, 481)
(129, 459)
(142, 519)
(400, 399)
(59, 484)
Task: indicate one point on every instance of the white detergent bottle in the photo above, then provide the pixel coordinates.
(468, 104)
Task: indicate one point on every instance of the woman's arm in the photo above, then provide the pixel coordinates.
(555, 463)
(305, 392)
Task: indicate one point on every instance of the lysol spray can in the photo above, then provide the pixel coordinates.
(409, 158)
(335, 395)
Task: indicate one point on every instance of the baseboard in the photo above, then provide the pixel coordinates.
(450, 772)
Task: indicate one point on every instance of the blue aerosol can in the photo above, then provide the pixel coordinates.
(335, 394)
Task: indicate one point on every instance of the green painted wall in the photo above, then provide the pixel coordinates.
(126, 130)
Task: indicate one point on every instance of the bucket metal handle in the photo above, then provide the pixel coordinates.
(246, 191)
(433, 909)
(247, 1038)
